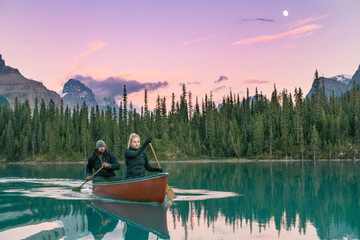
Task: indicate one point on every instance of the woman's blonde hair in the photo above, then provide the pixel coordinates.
(132, 136)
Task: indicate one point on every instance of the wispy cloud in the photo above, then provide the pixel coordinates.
(244, 20)
(76, 61)
(218, 89)
(258, 81)
(268, 38)
(113, 86)
(193, 83)
(190, 83)
(305, 21)
(93, 47)
(221, 79)
(197, 40)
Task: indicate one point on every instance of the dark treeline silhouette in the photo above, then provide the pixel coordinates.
(286, 126)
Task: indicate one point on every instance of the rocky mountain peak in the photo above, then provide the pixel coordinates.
(73, 85)
(13, 84)
(354, 80)
(76, 93)
(5, 69)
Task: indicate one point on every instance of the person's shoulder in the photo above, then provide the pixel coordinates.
(128, 150)
(111, 154)
(92, 156)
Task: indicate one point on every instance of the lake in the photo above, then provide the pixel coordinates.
(214, 200)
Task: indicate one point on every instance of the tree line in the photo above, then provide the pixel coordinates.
(285, 126)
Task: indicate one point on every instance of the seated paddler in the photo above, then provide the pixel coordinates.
(102, 158)
(136, 159)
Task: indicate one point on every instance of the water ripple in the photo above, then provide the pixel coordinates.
(200, 194)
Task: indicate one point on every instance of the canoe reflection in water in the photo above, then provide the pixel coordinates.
(140, 218)
(99, 223)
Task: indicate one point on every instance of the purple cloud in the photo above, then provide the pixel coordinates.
(113, 86)
(244, 20)
(218, 89)
(222, 78)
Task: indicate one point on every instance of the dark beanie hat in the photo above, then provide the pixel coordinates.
(100, 143)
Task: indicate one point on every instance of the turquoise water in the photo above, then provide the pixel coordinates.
(214, 200)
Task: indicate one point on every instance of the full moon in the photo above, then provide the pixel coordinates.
(285, 13)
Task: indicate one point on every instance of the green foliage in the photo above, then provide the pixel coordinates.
(285, 127)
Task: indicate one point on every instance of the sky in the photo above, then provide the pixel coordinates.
(211, 46)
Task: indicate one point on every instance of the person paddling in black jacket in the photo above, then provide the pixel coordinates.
(136, 159)
(102, 157)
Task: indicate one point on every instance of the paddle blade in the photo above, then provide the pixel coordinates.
(170, 192)
(77, 189)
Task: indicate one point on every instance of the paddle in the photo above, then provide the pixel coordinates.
(77, 189)
(169, 190)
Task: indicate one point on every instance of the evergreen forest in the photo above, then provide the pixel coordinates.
(286, 126)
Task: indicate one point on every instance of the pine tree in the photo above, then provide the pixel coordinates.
(315, 141)
(183, 104)
(259, 135)
(10, 142)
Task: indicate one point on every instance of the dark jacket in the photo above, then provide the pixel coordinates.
(94, 162)
(137, 161)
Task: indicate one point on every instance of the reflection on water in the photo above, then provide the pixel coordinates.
(140, 218)
(267, 200)
(99, 223)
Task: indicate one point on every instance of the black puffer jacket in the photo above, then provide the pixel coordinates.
(137, 161)
(94, 162)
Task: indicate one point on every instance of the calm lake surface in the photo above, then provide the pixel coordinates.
(214, 200)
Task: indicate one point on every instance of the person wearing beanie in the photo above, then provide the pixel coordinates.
(102, 157)
(136, 159)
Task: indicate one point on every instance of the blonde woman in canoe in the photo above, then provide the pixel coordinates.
(136, 159)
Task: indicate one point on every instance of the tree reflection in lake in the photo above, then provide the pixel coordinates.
(312, 200)
(324, 194)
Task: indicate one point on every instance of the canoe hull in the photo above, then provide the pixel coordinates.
(146, 189)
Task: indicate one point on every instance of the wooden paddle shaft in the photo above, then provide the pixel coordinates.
(93, 174)
(169, 190)
(154, 154)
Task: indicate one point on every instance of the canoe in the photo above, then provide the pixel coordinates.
(139, 217)
(145, 189)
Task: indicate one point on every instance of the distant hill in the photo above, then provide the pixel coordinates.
(76, 93)
(13, 84)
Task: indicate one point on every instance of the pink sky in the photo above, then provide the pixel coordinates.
(250, 43)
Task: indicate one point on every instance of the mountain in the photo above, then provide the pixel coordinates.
(76, 93)
(338, 84)
(252, 99)
(107, 101)
(355, 78)
(13, 84)
(3, 100)
(335, 84)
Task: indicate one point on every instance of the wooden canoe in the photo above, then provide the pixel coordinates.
(140, 216)
(145, 189)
